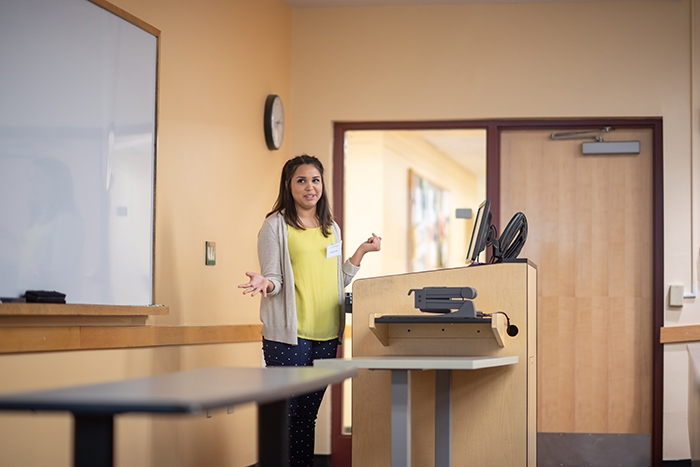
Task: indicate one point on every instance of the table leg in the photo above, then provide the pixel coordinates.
(443, 418)
(93, 443)
(400, 419)
(273, 434)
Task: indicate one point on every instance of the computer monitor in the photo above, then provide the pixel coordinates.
(480, 234)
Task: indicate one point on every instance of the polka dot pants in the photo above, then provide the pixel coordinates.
(303, 409)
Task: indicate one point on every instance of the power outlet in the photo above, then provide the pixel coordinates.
(210, 258)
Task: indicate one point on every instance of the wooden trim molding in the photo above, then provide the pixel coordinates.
(61, 314)
(62, 309)
(62, 338)
(676, 334)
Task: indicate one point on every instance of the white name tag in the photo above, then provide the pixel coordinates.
(334, 250)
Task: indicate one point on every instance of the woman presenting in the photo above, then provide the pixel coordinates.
(302, 280)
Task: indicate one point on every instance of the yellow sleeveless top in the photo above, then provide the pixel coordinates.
(315, 284)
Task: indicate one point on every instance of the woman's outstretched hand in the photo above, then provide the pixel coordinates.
(256, 285)
(373, 243)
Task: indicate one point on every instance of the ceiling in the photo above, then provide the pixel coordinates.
(466, 147)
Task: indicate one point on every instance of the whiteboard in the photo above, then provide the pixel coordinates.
(77, 152)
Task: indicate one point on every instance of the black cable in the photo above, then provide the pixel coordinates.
(511, 329)
(492, 239)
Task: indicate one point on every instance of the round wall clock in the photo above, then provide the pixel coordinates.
(274, 121)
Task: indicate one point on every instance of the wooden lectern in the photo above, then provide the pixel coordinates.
(494, 410)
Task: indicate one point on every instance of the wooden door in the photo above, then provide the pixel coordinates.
(590, 233)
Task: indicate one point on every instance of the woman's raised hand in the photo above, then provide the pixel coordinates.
(373, 243)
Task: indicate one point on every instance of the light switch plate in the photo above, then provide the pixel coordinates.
(675, 295)
(210, 257)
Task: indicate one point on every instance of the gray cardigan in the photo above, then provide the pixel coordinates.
(278, 312)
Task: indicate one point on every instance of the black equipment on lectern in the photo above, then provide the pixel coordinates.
(505, 248)
(439, 301)
(444, 299)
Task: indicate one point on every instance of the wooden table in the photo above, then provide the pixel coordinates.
(400, 396)
(188, 392)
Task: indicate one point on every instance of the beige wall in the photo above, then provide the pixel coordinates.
(509, 61)
(216, 179)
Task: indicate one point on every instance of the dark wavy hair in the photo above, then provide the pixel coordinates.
(285, 202)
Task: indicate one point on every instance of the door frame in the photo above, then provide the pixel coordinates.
(341, 445)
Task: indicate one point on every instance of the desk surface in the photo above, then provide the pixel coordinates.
(191, 391)
(417, 363)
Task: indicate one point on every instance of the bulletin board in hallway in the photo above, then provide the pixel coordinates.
(77, 151)
(590, 234)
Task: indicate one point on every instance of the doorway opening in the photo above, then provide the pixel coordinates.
(417, 189)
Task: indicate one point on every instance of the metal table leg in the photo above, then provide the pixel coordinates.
(400, 419)
(273, 434)
(443, 418)
(93, 443)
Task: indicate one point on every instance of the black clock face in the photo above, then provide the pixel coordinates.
(274, 121)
